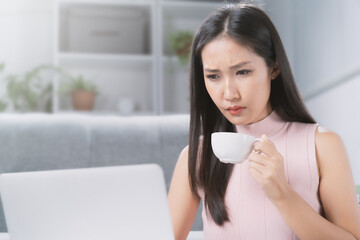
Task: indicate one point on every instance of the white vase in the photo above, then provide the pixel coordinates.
(126, 106)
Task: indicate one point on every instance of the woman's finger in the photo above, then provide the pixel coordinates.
(258, 158)
(265, 146)
(260, 169)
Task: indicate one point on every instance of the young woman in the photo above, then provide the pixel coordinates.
(297, 183)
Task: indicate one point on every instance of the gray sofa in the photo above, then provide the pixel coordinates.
(33, 142)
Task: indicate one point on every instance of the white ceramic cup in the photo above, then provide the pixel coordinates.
(231, 147)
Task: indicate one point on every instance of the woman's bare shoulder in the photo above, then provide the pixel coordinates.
(330, 149)
(183, 157)
(327, 140)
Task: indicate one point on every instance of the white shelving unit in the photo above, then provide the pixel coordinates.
(177, 16)
(123, 47)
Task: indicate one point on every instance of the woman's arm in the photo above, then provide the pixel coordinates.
(336, 190)
(183, 203)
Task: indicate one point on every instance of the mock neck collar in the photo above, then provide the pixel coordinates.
(270, 125)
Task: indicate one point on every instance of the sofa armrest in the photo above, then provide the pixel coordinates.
(193, 235)
(4, 236)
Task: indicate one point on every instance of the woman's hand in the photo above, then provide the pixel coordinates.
(266, 165)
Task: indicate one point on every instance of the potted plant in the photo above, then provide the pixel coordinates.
(181, 43)
(28, 92)
(83, 92)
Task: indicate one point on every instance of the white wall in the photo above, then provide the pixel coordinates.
(326, 41)
(322, 42)
(26, 31)
(326, 48)
(26, 36)
(338, 111)
(281, 14)
(321, 38)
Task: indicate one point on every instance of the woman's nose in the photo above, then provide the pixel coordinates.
(230, 90)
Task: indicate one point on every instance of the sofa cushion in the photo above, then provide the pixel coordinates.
(34, 142)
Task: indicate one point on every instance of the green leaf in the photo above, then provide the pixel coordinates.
(32, 90)
(2, 67)
(3, 106)
(181, 43)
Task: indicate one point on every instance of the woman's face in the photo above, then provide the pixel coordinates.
(237, 80)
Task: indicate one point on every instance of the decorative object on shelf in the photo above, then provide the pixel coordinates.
(111, 29)
(181, 44)
(126, 106)
(28, 92)
(83, 92)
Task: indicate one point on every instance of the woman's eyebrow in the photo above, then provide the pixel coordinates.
(239, 64)
(232, 67)
(211, 70)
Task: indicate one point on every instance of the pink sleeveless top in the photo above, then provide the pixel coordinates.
(252, 215)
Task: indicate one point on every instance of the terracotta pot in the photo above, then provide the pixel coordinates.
(83, 100)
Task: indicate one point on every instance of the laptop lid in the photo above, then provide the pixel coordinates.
(108, 203)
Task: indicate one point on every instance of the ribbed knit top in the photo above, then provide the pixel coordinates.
(252, 215)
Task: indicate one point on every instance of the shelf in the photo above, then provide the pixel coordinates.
(123, 47)
(107, 2)
(182, 16)
(114, 88)
(173, 63)
(102, 113)
(188, 10)
(195, 5)
(101, 57)
(103, 60)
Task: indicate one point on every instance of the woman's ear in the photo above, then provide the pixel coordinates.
(275, 70)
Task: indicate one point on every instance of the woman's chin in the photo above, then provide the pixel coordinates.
(236, 119)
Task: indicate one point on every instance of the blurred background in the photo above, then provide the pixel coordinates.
(129, 57)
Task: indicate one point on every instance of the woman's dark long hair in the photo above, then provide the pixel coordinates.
(251, 27)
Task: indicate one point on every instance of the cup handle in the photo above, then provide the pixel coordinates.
(257, 140)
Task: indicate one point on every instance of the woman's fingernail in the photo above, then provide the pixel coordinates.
(264, 137)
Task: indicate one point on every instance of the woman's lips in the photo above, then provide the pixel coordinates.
(235, 110)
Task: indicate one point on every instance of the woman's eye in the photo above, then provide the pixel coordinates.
(212, 77)
(243, 72)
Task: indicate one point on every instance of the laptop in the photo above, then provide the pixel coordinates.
(107, 203)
